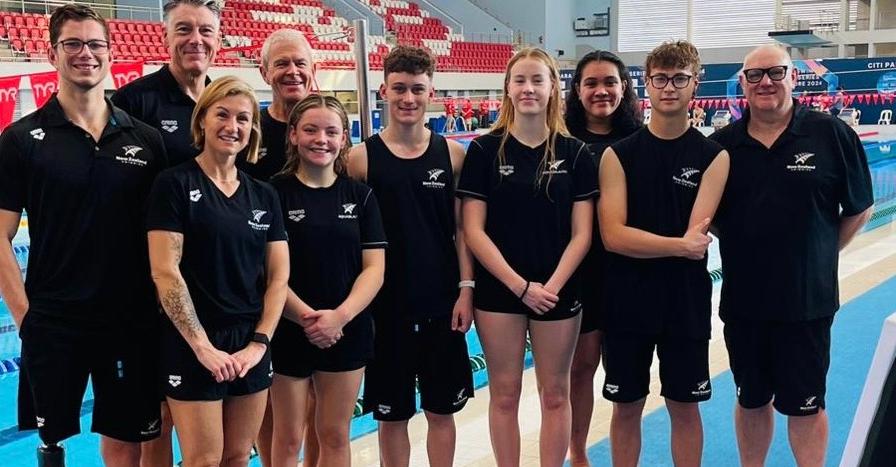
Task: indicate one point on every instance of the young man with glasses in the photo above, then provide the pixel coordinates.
(799, 190)
(165, 99)
(82, 169)
(659, 189)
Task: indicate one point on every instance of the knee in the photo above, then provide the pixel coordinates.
(204, 460)
(505, 396)
(439, 422)
(555, 397)
(120, 453)
(235, 457)
(289, 442)
(628, 411)
(333, 437)
(683, 411)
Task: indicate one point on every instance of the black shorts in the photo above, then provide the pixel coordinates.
(492, 295)
(185, 379)
(591, 310)
(784, 361)
(292, 354)
(429, 354)
(684, 367)
(122, 363)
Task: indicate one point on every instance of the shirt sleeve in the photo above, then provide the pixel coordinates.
(13, 173)
(584, 175)
(856, 194)
(166, 205)
(373, 235)
(476, 174)
(277, 231)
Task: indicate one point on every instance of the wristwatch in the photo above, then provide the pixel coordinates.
(261, 338)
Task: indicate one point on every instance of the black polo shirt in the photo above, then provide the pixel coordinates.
(530, 223)
(86, 203)
(225, 239)
(271, 151)
(328, 230)
(157, 100)
(779, 220)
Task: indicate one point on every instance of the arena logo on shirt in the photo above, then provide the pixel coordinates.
(555, 167)
(255, 223)
(433, 181)
(505, 170)
(129, 157)
(800, 162)
(296, 215)
(262, 152)
(169, 125)
(195, 195)
(685, 178)
(348, 211)
(38, 134)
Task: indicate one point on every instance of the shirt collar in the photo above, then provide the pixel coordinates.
(54, 115)
(795, 127)
(171, 87)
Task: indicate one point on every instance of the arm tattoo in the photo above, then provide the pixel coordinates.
(177, 246)
(179, 307)
(176, 301)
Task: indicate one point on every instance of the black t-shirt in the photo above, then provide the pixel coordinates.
(779, 220)
(530, 223)
(328, 228)
(592, 270)
(225, 239)
(271, 150)
(416, 198)
(158, 100)
(86, 201)
(671, 295)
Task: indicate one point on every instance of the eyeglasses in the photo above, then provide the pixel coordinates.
(679, 81)
(775, 73)
(75, 46)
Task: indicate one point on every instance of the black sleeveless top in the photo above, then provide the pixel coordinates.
(671, 295)
(416, 198)
(593, 267)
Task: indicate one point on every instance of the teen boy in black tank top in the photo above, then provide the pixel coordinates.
(420, 315)
(659, 189)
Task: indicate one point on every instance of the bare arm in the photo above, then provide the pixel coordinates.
(577, 248)
(462, 315)
(12, 288)
(850, 226)
(712, 185)
(165, 252)
(357, 162)
(613, 214)
(277, 274)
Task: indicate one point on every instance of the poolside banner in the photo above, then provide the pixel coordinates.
(125, 72)
(43, 86)
(9, 94)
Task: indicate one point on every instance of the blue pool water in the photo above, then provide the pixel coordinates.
(82, 450)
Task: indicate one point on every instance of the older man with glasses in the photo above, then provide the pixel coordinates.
(798, 191)
(82, 169)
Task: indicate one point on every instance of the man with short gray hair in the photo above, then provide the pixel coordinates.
(165, 99)
(287, 66)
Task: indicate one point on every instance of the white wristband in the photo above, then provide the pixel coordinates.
(470, 284)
